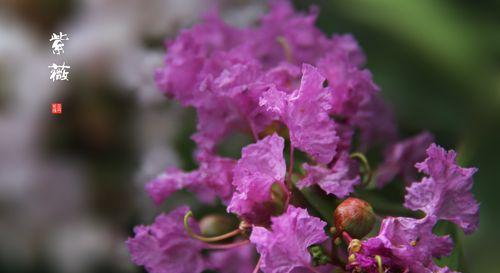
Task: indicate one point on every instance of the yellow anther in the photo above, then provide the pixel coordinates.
(379, 264)
(413, 243)
(333, 230)
(354, 246)
(352, 258)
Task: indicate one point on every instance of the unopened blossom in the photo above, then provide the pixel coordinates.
(261, 165)
(165, 246)
(403, 244)
(305, 112)
(445, 193)
(283, 247)
(338, 180)
(401, 157)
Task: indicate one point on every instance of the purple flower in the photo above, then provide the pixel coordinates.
(261, 165)
(375, 121)
(284, 247)
(352, 87)
(236, 260)
(346, 43)
(400, 158)
(305, 112)
(212, 179)
(169, 182)
(283, 29)
(403, 244)
(354, 99)
(187, 56)
(339, 180)
(165, 246)
(446, 192)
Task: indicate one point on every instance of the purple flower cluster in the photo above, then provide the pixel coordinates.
(286, 83)
(408, 243)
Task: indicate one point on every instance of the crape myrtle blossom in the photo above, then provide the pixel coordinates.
(339, 180)
(408, 244)
(216, 69)
(261, 165)
(236, 260)
(401, 157)
(212, 179)
(165, 245)
(446, 192)
(305, 113)
(312, 110)
(402, 245)
(284, 247)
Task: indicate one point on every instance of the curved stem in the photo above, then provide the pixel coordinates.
(347, 238)
(254, 133)
(367, 177)
(207, 239)
(286, 47)
(290, 168)
(257, 266)
(226, 246)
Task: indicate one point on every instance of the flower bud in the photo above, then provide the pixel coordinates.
(215, 224)
(355, 217)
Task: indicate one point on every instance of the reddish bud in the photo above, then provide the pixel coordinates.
(355, 217)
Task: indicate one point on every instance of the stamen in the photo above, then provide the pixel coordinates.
(347, 238)
(367, 173)
(207, 239)
(379, 263)
(286, 47)
(352, 258)
(354, 246)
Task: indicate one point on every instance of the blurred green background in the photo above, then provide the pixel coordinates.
(437, 63)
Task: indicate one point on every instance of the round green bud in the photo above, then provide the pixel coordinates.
(354, 216)
(216, 224)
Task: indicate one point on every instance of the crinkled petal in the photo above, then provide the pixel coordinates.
(401, 157)
(305, 112)
(236, 260)
(261, 165)
(165, 246)
(404, 244)
(169, 182)
(339, 180)
(446, 192)
(284, 247)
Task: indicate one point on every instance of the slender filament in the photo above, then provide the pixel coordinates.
(207, 239)
(367, 174)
